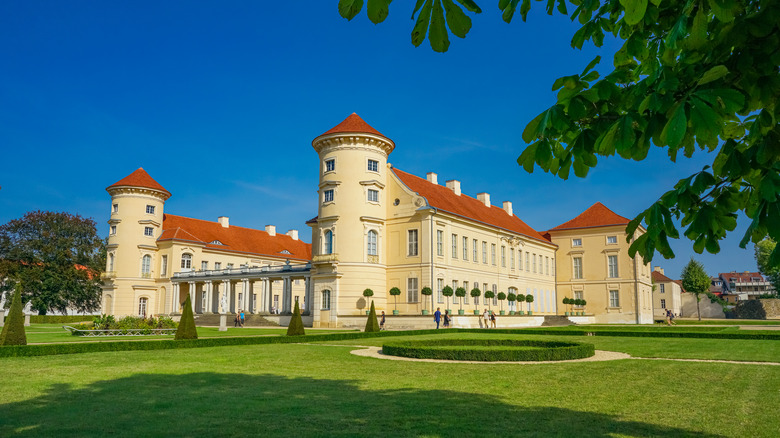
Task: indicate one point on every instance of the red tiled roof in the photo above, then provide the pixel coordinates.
(679, 282)
(445, 199)
(354, 123)
(660, 278)
(742, 277)
(235, 239)
(139, 178)
(597, 215)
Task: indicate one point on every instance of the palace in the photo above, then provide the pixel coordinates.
(377, 228)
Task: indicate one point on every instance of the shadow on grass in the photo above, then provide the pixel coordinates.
(210, 404)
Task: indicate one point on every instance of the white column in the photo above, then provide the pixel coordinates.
(209, 307)
(245, 292)
(308, 294)
(334, 305)
(287, 295)
(174, 297)
(193, 296)
(226, 296)
(270, 294)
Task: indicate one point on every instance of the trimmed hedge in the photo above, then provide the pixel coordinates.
(13, 328)
(295, 328)
(186, 329)
(372, 325)
(60, 319)
(638, 334)
(504, 350)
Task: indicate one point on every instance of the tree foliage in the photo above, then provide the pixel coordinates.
(764, 250)
(13, 330)
(295, 328)
(691, 75)
(56, 257)
(695, 280)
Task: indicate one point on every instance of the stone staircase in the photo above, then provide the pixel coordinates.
(250, 320)
(556, 321)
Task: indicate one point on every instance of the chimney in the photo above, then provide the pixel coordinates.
(454, 185)
(293, 234)
(508, 207)
(484, 198)
(658, 269)
(432, 177)
(224, 221)
(271, 230)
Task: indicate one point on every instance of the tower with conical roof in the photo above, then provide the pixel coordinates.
(348, 254)
(137, 203)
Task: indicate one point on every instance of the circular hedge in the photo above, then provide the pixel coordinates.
(489, 350)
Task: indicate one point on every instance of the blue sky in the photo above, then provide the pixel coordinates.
(219, 102)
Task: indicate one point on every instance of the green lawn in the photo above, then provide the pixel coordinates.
(313, 390)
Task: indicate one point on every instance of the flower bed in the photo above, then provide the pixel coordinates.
(489, 350)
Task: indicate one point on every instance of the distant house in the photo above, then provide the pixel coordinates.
(740, 286)
(667, 294)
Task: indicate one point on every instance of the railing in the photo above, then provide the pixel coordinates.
(107, 275)
(325, 258)
(119, 332)
(244, 270)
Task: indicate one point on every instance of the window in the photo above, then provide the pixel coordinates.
(546, 265)
(454, 246)
(495, 295)
(113, 230)
(411, 290)
(613, 266)
(552, 265)
(663, 304)
(484, 252)
(466, 297)
(373, 195)
(576, 242)
(493, 254)
(611, 240)
(164, 266)
(534, 262)
(146, 266)
(373, 166)
(661, 288)
(186, 261)
(512, 258)
(148, 231)
(520, 260)
(328, 243)
(330, 166)
(371, 245)
(150, 209)
(439, 287)
(115, 208)
(326, 299)
(111, 262)
(328, 195)
(439, 243)
(230, 266)
(578, 296)
(577, 265)
(503, 257)
(217, 266)
(474, 249)
(614, 298)
(412, 243)
(527, 261)
(142, 306)
(465, 248)
(455, 298)
(204, 265)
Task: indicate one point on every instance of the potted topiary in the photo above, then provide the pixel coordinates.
(583, 306)
(529, 299)
(460, 293)
(566, 301)
(501, 297)
(394, 291)
(520, 301)
(447, 292)
(511, 298)
(368, 293)
(577, 302)
(427, 292)
(475, 293)
(489, 295)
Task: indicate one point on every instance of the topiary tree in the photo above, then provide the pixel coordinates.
(426, 291)
(13, 330)
(447, 292)
(368, 293)
(583, 305)
(489, 295)
(460, 293)
(529, 299)
(501, 298)
(520, 301)
(577, 302)
(566, 302)
(372, 325)
(296, 323)
(187, 328)
(475, 293)
(394, 291)
(511, 298)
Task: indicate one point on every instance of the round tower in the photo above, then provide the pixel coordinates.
(137, 203)
(348, 236)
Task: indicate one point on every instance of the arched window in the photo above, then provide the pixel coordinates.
(186, 261)
(142, 306)
(326, 299)
(328, 249)
(371, 242)
(146, 265)
(111, 262)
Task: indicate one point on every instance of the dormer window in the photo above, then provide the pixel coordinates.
(284, 251)
(216, 242)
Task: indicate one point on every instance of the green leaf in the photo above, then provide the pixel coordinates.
(675, 128)
(437, 36)
(713, 74)
(377, 10)
(508, 8)
(471, 6)
(458, 22)
(350, 8)
(705, 122)
(698, 36)
(528, 158)
(723, 10)
(417, 7)
(634, 10)
(421, 26)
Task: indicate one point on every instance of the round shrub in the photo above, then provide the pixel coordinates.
(489, 350)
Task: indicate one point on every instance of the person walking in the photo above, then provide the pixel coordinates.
(382, 321)
(242, 319)
(446, 319)
(237, 321)
(486, 318)
(492, 319)
(437, 317)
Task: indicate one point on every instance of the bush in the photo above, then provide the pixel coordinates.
(107, 322)
(296, 323)
(372, 325)
(750, 309)
(501, 350)
(13, 330)
(187, 328)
